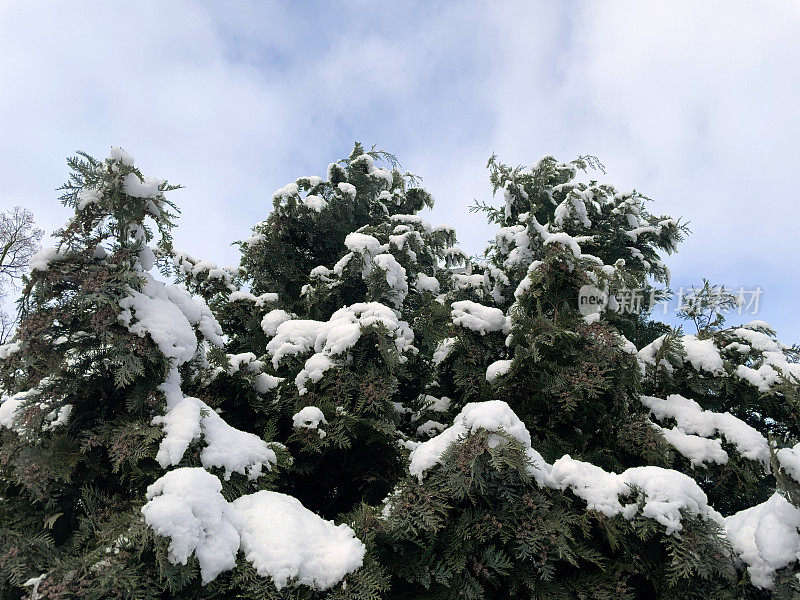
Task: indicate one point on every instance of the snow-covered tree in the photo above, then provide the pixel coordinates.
(342, 337)
(114, 483)
(542, 417)
(727, 400)
(473, 429)
(550, 398)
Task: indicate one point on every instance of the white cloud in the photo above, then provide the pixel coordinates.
(700, 96)
(692, 103)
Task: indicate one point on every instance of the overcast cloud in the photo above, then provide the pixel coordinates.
(694, 104)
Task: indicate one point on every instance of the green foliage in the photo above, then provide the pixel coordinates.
(477, 524)
(295, 238)
(705, 307)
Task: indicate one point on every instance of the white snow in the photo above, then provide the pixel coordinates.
(147, 258)
(254, 239)
(492, 416)
(426, 283)
(665, 492)
(775, 365)
(372, 170)
(313, 180)
(261, 300)
(395, 273)
(752, 376)
(187, 506)
(293, 337)
(437, 404)
(496, 369)
(262, 382)
(789, 459)
(34, 583)
(395, 277)
(7, 350)
(286, 541)
(332, 339)
(627, 346)
(248, 359)
(765, 537)
(757, 339)
(266, 382)
(698, 450)
(190, 265)
(119, 154)
(597, 487)
(405, 239)
(412, 220)
(466, 282)
(703, 354)
(41, 260)
(58, 418)
(430, 428)
(573, 207)
(196, 311)
(647, 355)
(363, 243)
(479, 318)
(277, 534)
(147, 187)
(226, 447)
(9, 407)
(772, 365)
(692, 419)
(315, 203)
(758, 324)
(287, 191)
(564, 239)
(527, 281)
(539, 468)
(592, 318)
(273, 319)
(87, 196)
(308, 417)
(348, 189)
(443, 349)
(515, 241)
(312, 371)
(167, 313)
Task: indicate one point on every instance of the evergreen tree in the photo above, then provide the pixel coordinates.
(92, 506)
(519, 348)
(345, 340)
(581, 387)
(476, 432)
(77, 430)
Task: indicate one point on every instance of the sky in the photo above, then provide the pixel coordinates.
(694, 104)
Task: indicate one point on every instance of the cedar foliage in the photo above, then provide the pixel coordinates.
(347, 301)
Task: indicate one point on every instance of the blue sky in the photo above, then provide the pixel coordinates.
(693, 104)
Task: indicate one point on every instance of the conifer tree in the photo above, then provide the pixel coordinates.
(520, 359)
(576, 382)
(343, 343)
(569, 378)
(726, 399)
(114, 482)
(475, 432)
